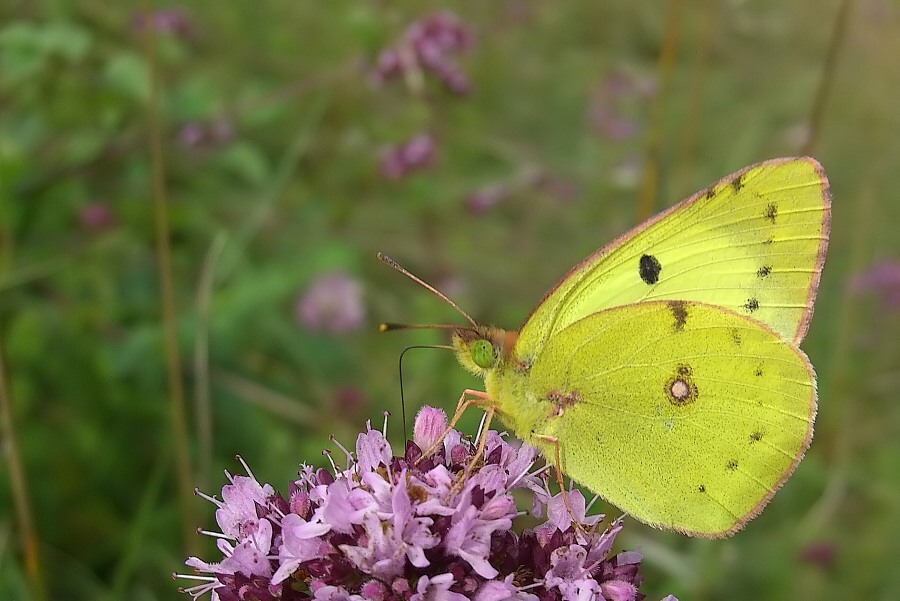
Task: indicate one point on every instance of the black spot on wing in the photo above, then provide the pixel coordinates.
(764, 271)
(731, 465)
(737, 183)
(751, 305)
(701, 488)
(759, 371)
(679, 312)
(756, 436)
(771, 212)
(736, 337)
(710, 192)
(649, 268)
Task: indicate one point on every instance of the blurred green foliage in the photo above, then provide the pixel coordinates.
(274, 124)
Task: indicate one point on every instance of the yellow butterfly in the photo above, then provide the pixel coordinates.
(663, 372)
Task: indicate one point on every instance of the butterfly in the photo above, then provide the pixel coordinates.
(664, 372)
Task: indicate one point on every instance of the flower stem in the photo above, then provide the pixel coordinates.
(164, 260)
(24, 518)
(818, 111)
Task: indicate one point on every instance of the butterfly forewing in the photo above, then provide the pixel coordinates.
(684, 415)
(754, 243)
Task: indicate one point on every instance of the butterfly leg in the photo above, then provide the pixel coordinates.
(479, 452)
(467, 399)
(557, 468)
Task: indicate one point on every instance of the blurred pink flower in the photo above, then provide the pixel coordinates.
(428, 45)
(96, 216)
(195, 134)
(487, 197)
(415, 154)
(609, 108)
(819, 554)
(349, 400)
(883, 279)
(560, 189)
(191, 135)
(491, 195)
(171, 21)
(332, 303)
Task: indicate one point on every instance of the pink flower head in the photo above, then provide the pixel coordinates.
(820, 554)
(611, 107)
(430, 425)
(170, 21)
(415, 154)
(332, 303)
(191, 135)
(349, 400)
(882, 279)
(197, 134)
(487, 197)
(429, 45)
(413, 528)
(96, 216)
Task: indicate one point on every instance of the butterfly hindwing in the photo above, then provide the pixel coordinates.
(754, 243)
(685, 415)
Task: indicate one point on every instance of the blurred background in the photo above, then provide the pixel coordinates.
(487, 146)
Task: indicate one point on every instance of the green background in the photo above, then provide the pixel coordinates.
(290, 189)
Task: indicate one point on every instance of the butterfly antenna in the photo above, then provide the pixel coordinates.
(390, 327)
(397, 267)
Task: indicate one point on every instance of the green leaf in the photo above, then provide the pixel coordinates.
(247, 162)
(26, 47)
(128, 74)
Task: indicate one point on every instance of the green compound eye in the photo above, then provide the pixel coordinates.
(483, 353)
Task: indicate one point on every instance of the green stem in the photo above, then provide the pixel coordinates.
(650, 181)
(177, 412)
(21, 501)
(825, 84)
